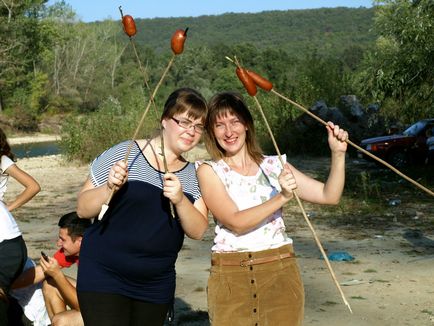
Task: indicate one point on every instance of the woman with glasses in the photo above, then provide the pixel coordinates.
(126, 274)
(254, 278)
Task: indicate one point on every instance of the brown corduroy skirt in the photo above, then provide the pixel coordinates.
(261, 288)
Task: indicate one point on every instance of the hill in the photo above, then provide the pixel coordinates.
(326, 30)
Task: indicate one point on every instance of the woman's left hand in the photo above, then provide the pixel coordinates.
(172, 188)
(287, 182)
(337, 138)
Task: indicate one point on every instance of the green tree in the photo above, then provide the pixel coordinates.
(21, 38)
(398, 72)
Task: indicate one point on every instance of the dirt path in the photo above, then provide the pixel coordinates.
(390, 282)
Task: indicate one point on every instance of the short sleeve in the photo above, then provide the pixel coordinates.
(6, 162)
(100, 167)
(272, 167)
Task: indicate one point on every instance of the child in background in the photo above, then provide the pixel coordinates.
(13, 250)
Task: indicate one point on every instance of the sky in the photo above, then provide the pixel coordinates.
(93, 10)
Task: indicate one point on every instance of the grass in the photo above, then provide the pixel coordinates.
(428, 312)
(329, 303)
(365, 208)
(348, 273)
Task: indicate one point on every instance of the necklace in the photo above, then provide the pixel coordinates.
(168, 159)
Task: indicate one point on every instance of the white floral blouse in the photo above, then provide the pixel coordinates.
(246, 192)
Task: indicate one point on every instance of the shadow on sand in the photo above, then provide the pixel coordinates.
(416, 237)
(185, 316)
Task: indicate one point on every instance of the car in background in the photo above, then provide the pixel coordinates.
(401, 149)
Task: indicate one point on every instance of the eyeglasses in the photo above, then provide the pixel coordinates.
(188, 125)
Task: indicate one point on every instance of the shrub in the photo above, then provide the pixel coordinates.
(83, 138)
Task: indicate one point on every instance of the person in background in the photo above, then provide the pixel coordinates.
(127, 262)
(254, 278)
(27, 304)
(13, 250)
(59, 290)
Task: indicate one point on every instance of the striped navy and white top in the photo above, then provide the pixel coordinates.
(133, 250)
(102, 164)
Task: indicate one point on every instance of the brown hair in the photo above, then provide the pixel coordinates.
(74, 224)
(222, 104)
(5, 148)
(185, 100)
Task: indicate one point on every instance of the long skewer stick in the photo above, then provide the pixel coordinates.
(358, 147)
(136, 54)
(253, 94)
(145, 80)
(105, 206)
(430, 192)
(166, 169)
(318, 242)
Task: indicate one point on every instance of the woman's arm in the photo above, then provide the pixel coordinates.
(31, 186)
(28, 277)
(193, 217)
(227, 212)
(317, 192)
(91, 198)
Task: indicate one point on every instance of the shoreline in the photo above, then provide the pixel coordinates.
(35, 138)
(389, 283)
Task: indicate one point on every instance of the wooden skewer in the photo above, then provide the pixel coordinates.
(358, 147)
(166, 169)
(235, 61)
(142, 70)
(105, 206)
(430, 192)
(318, 242)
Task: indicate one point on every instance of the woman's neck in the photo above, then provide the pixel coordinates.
(162, 152)
(242, 163)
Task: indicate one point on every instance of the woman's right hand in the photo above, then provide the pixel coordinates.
(118, 175)
(287, 182)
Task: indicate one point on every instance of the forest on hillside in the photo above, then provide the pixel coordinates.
(52, 64)
(328, 31)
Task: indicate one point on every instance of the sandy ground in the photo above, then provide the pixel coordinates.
(390, 282)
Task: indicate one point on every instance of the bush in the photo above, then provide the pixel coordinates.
(84, 137)
(24, 120)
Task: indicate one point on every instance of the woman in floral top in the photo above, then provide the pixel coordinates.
(255, 279)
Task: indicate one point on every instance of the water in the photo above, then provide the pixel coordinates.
(36, 149)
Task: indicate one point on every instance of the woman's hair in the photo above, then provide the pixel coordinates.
(185, 100)
(221, 105)
(5, 149)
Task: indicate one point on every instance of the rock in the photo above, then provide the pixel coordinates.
(351, 108)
